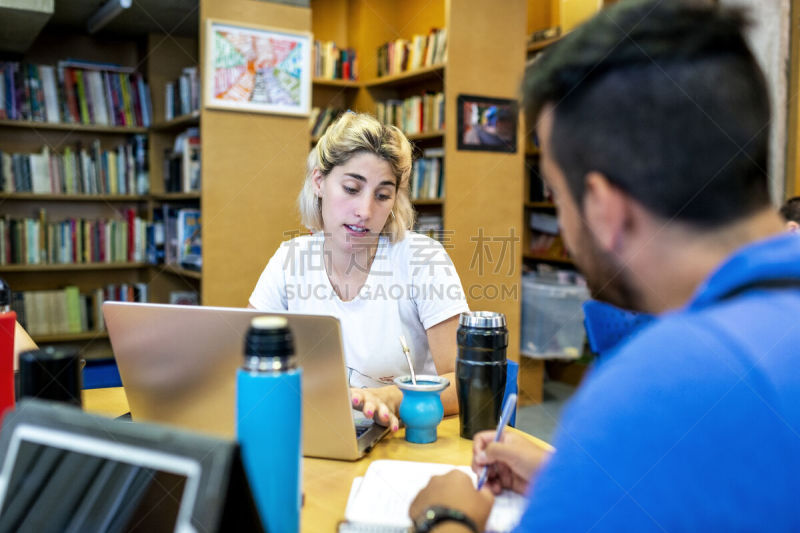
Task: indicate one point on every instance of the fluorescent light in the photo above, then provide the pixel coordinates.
(106, 14)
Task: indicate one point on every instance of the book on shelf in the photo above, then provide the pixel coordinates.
(427, 175)
(545, 240)
(544, 223)
(79, 170)
(74, 92)
(182, 96)
(68, 311)
(184, 298)
(37, 241)
(421, 51)
(182, 163)
(539, 191)
(416, 114)
(430, 225)
(190, 252)
(334, 63)
(321, 118)
(169, 219)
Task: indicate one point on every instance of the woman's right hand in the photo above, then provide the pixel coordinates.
(512, 462)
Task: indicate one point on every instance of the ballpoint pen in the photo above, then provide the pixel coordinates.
(508, 408)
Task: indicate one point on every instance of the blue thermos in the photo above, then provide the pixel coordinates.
(269, 421)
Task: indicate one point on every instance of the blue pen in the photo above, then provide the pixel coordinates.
(508, 408)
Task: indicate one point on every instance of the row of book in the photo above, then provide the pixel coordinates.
(80, 170)
(175, 238)
(538, 189)
(75, 92)
(182, 163)
(334, 63)
(417, 114)
(321, 118)
(430, 225)
(427, 175)
(37, 241)
(67, 310)
(421, 51)
(183, 94)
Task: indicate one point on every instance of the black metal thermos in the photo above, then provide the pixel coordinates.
(480, 370)
(51, 374)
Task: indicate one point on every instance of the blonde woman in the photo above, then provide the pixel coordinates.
(363, 265)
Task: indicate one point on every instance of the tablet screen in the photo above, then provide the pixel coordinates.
(72, 482)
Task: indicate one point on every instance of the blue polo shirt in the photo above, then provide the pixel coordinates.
(694, 424)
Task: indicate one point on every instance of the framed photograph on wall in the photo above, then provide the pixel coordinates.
(487, 124)
(257, 69)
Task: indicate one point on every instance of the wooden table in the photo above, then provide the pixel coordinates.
(326, 483)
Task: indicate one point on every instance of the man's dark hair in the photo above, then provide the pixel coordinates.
(790, 210)
(666, 99)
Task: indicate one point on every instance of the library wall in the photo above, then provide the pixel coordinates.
(768, 37)
(483, 189)
(253, 167)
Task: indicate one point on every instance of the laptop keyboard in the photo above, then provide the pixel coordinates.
(360, 430)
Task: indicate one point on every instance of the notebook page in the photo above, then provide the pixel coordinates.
(387, 489)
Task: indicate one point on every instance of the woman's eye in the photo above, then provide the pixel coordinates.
(384, 197)
(350, 190)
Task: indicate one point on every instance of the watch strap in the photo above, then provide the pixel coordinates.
(436, 514)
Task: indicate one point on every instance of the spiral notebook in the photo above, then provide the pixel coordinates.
(379, 501)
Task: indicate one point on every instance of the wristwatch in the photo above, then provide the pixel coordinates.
(436, 514)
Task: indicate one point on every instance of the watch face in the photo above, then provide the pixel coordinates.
(439, 513)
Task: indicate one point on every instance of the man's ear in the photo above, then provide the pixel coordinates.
(606, 210)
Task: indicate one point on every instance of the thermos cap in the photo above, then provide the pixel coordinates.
(51, 373)
(269, 337)
(269, 322)
(482, 319)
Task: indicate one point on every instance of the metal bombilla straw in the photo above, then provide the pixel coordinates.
(407, 353)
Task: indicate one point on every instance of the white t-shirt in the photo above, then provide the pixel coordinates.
(412, 285)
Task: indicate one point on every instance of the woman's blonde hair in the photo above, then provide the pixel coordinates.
(349, 135)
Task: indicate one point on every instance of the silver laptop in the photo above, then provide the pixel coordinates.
(178, 366)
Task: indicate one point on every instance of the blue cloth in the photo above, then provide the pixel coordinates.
(694, 423)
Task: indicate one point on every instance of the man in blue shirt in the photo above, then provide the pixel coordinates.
(653, 121)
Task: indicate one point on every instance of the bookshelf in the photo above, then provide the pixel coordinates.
(435, 72)
(38, 197)
(67, 267)
(102, 203)
(183, 121)
(319, 83)
(55, 126)
(70, 337)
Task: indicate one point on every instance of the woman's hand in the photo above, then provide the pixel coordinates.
(380, 404)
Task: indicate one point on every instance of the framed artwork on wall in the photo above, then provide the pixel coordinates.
(487, 124)
(257, 69)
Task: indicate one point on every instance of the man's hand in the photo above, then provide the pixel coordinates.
(513, 462)
(380, 404)
(454, 490)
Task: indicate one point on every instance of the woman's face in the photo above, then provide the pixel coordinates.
(357, 199)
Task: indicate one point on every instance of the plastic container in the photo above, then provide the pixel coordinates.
(552, 319)
(8, 324)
